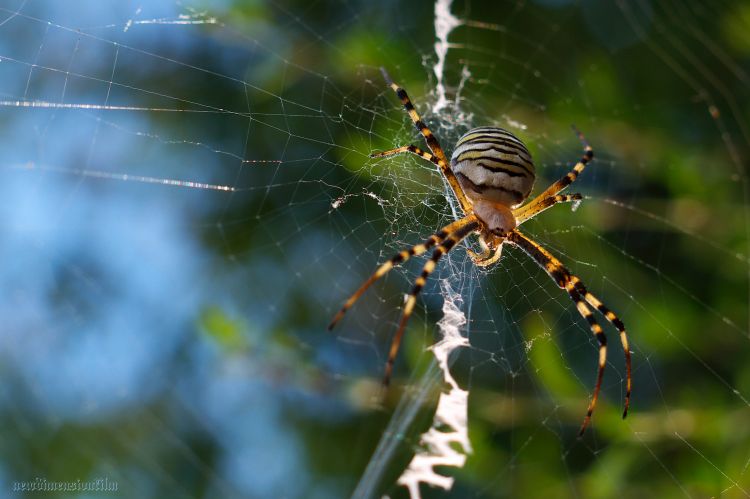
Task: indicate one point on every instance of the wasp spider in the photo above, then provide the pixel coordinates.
(491, 173)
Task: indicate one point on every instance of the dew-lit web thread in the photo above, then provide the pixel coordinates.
(124, 177)
(713, 92)
(709, 90)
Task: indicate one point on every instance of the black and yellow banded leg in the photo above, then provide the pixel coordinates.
(620, 326)
(398, 259)
(531, 210)
(411, 149)
(580, 296)
(571, 176)
(432, 142)
(587, 314)
(449, 243)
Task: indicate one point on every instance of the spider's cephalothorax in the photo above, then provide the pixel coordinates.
(496, 173)
(491, 174)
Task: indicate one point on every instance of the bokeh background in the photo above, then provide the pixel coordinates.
(186, 198)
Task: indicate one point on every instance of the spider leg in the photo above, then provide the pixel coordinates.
(618, 324)
(571, 176)
(410, 148)
(533, 209)
(398, 259)
(580, 296)
(432, 143)
(444, 247)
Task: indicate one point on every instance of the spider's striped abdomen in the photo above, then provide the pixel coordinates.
(492, 164)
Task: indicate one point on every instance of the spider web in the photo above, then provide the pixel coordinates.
(187, 198)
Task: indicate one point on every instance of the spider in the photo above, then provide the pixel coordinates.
(491, 173)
